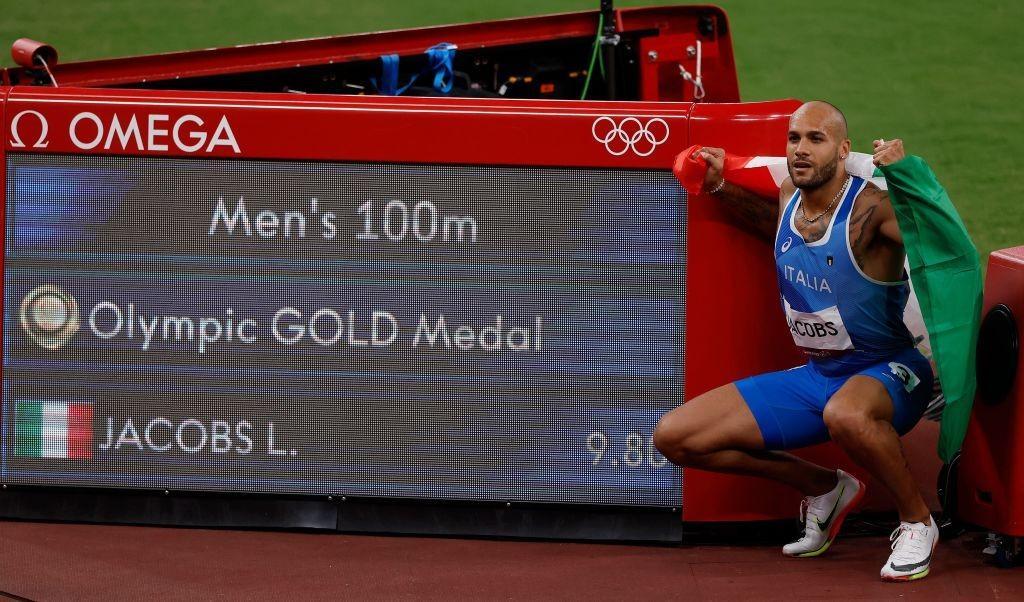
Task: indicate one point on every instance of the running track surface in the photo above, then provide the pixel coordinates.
(49, 561)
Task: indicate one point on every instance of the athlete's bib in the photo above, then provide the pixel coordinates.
(819, 331)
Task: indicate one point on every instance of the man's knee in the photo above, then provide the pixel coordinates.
(857, 408)
(678, 442)
(845, 421)
(666, 435)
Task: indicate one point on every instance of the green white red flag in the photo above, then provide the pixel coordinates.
(53, 429)
(762, 175)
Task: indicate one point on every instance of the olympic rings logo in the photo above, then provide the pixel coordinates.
(630, 134)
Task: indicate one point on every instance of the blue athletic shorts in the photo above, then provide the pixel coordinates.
(788, 405)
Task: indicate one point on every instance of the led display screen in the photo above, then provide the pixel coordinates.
(378, 330)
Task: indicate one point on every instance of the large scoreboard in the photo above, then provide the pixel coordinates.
(354, 329)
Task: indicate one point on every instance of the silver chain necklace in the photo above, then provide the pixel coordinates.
(803, 213)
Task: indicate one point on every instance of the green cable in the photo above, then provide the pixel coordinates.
(593, 56)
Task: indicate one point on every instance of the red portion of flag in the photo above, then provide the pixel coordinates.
(689, 167)
(80, 430)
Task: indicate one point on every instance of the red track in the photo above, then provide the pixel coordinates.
(42, 561)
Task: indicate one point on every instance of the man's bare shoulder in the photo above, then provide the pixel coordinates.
(872, 189)
(786, 189)
(874, 198)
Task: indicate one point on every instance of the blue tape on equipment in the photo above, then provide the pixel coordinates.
(439, 62)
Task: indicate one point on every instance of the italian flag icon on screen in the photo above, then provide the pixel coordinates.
(53, 429)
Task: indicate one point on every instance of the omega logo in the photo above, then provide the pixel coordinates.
(42, 142)
(146, 132)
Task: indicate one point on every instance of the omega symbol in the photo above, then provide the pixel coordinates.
(42, 142)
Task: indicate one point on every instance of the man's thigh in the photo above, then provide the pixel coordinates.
(716, 420)
(897, 390)
(787, 406)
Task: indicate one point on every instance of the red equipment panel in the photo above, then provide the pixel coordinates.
(675, 26)
(991, 477)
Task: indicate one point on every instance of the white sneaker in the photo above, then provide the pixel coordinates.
(823, 515)
(912, 547)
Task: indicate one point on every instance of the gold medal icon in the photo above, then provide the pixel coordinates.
(49, 316)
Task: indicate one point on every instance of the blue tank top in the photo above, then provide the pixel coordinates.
(843, 319)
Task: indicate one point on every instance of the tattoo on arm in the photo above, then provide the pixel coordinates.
(757, 213)
(863, 221)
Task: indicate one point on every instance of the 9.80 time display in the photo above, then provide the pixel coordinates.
(636, 451)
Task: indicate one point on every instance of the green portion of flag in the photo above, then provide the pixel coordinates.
(946, 273)
(28, 428)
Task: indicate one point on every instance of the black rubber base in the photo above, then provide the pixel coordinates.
(406, 517)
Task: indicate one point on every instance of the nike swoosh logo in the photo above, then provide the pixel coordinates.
(828, 519)
(910, 567)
